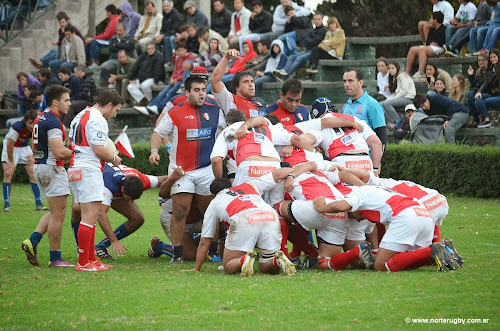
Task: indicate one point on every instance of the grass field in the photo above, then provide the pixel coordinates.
(144, 293)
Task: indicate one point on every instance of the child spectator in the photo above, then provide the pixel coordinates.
(332, 46)
(382, 81)
(208, 59)
(259, 62)
(404, 131)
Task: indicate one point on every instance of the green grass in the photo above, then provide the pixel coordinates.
(144, 293)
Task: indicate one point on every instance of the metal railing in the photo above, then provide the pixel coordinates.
(13, 11)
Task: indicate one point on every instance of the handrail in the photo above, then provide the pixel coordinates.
(26, 10)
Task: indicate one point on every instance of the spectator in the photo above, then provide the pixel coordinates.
(129, 18)
(280, 18)
(261, 22)
(28, 103)
(94, 45)
(39, 100)
(146, 72)
(120, 80)
(486, 10)
(485, 38)
(221, 19)
(296, 28)
(439, 88)
(205, 35)
(172, 21)
(192, 42)
(404, 131)
(87, 92)
(492, 35)
(460, 90)
(240, 21)
(382, 80)
(259, 62)
(442, 105)
(488, 94)
(312, 39)
(69, 81)
(276, 61)
(195, 16)
(176, 79)
(14, 6)
(149, 27)
(208, 59)
(23, 81)
(434, 73)
(476, 79)
(72, 52)
(182, 36)
(433, 46)
(462, 20)
(402, 91)
(332, 46)
(55, 53)
(46, 79)
(438, 6)
(120, 41)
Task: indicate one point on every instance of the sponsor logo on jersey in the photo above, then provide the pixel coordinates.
(434, 202)
(362, 164)
(347, 140)
(299, 116)
(39, 155)
(421, 212)
(191, 117)
(285, 119)
(256, 171)
(337, 216)
(259, 138)
(206, 116)
(260, 216)
(198, 134)
(75, 176)
(245, 198)
(254, 113)
(360, 110)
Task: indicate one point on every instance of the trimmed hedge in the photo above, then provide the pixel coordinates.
(460, 169)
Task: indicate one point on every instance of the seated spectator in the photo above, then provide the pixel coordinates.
(478, 36)
(55, 53)
(182, 36)
(432, 48)
(172, 21)
(39, 100)
(28, 103)
(120, 80)
(129, 18)
(149, 27)
(147, 71)
(120, 41)
(476, 79)
(280, 18)
(402, 91)
(296, 29)
(94, 45)
(332, 46)
(23, 81)
(208, 59)
(13, 7)
(312, 39)
(404, 131)
(195, 16)
(425, 26)
(462, 21)
(382, 81)
(442, 105)
(434, 73)
(192, 42)
(259, 62)
(69, 81)
(276, 61)
(205, 35)
(488, 94)
(460, 90)
(221, 19)
(240, 21)
(46, 79)
(87, 92)
(72, 52)
(439, 88)
(176, 79)
(261, 22)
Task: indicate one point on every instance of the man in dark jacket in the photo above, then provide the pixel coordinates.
(195, 16)
(172, 21)
(296, 29)
(86, 94)
(46, 79)
(312, 39)
(121, 40)
(69, 81)
(261, 22)
(221, 19)
(146, 72)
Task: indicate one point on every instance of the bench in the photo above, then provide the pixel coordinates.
(360, 48)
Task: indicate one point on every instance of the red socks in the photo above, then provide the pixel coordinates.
(409, 260)
(86, 234)
(298, 237)
(242, 259)
(437, 234)
(342, 260)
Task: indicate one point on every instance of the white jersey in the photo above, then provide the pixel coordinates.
(242, 203)
(310, 185)
(88, 128)
(302, 155)
(341, 140)
(381, 205)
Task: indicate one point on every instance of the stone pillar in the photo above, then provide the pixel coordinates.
(206, 7)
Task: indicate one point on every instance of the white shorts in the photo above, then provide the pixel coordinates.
(245, 236)
(166, 220)
(437, 205)
(253, 169)
(21, 155)
(354, 162)
(435, 49)
(51, 180)
(357, 230)
(195, 181)
(332, 228)
(87, 185)
(408, 232)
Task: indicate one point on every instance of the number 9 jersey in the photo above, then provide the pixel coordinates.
(47, 126)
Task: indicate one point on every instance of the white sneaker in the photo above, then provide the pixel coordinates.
(247, 267)
(153, 109)
(418, 76)
(111, 85)
(142, 110)
(284, 263)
